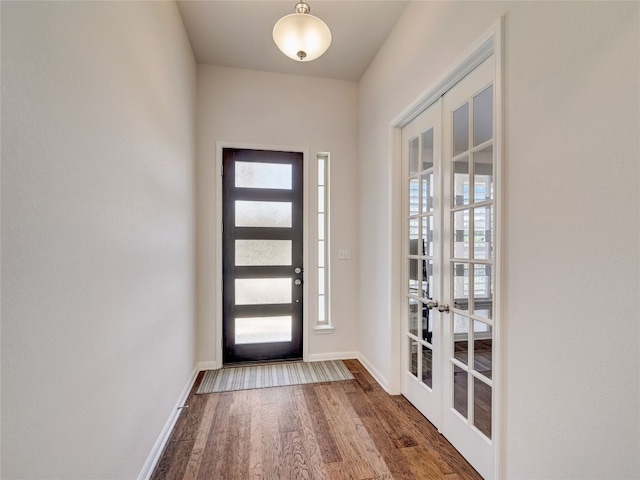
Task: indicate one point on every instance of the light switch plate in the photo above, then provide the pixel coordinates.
(344, 254)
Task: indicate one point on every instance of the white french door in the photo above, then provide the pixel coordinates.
(449, 250)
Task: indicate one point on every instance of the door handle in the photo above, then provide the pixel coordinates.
(444, 308)
(431, 304)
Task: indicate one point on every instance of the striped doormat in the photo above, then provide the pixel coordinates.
(273, 375)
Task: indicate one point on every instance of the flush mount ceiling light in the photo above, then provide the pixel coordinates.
(301, 36)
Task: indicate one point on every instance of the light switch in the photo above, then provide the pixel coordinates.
(344, 254)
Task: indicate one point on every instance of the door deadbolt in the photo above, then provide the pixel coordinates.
(298, 282)
(298, 270)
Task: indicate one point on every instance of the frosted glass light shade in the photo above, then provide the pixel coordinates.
(302, 36)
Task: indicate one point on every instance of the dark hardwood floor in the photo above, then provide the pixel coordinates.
(339, 430)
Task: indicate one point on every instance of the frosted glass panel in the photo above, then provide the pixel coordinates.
(263, 252)
(263, 175)
(259, 291)
(263, 214)
(263, 330)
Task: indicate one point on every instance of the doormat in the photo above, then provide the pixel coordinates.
(273, 375)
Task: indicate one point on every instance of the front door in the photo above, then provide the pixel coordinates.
(449, 272)
(262, 255)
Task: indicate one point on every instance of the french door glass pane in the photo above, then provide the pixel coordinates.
(413, 316)
(413, 357)
(482, 406)
(263, 330)
(427, 324)
(461, 234)
(461, 286)
(482, 235)
(413, 276)
(413, 236)
(482, 291)
(461, 338)
(262, 291)
(460, 389)
(427, 366)
(482, 348)
(461, 182)
(483, 174)
(461, 129)
(263, 175)
(427, 278)
(427, 192)
(427, 236)
(414, 155)
(414, 196)
(263, 214)
(427, 149)
(483, 116)
(263, 252)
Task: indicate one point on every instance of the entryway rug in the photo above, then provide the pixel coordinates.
(273, 375)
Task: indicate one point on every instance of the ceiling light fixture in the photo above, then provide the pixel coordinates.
(301, 36)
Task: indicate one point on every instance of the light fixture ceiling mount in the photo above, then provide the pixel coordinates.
(300, 35)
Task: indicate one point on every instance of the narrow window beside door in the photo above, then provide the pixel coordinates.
(324, 312)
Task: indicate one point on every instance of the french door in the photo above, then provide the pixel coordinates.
(448, 166)
(262, 255)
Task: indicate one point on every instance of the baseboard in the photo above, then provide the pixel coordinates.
(319, 357)
(377, 376)
(207, 366)
(157, 449)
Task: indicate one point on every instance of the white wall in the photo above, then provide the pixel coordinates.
(258, 108)
(98, 108)
(571, 226)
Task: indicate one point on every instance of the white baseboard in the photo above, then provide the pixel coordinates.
(157, 449)
(377, 376)
(319, 357)
(207, 366)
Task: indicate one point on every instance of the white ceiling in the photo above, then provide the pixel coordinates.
(237, 33)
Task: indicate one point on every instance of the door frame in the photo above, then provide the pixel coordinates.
(220, 145)
(489, 43)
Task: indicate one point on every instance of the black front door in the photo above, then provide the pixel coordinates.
(262, 255)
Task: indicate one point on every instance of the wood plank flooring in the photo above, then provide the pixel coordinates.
(332, 431)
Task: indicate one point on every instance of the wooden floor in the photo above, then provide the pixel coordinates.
(340, 430)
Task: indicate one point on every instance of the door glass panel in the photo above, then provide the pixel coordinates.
(413, 277)
(263, 175)
(461, 129)
(461, 286)
(427, 324)
(320, 281)
(413, 236)
(262, 291)
(413, 316)
(482, 235)
(482, 291)
(321, 253)
(413, 357)
(482, 348)
(427, 192)
(321, 306)
(427, 149)
(321, 226)
(320, 199)
(461, 338)
(414, 196)
(427, 236)
(482, 406)
(483, 116)
(427, 278)
(460, 389)
(263, 252)
(414, 154)
(263, 330)
(427, 366)
(263, 214)
(461, 182)
(483, 174)
(461, 234)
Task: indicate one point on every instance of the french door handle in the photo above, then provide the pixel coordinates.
(444, 308)
(431, 304)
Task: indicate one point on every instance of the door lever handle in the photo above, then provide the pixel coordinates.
(431, 304)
